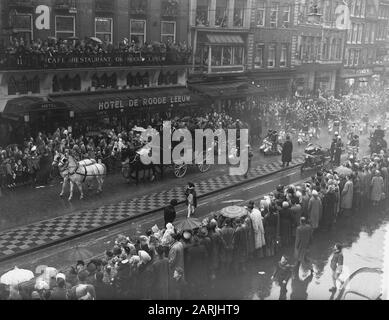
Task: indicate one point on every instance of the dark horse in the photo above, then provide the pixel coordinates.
(132, 165)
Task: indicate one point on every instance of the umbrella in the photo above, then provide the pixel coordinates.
(79, 253)
(139, 129)
(233, 212)
(187, 224)
(342, 170)
(96, 39)
(16, 276)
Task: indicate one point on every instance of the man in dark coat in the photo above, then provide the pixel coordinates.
(169, 213)
(161, 274)
(287, 150)
(303, 240)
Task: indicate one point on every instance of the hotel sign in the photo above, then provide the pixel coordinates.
(141, 102)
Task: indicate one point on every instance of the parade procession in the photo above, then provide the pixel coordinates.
(194, 150)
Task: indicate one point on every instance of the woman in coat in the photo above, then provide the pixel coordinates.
(329, 207)
(314, 210)
(286, 223)
(271, 226)
(346, 201)
(377, 188)
(287, 150)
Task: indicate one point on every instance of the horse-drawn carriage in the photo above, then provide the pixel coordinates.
(132, 163)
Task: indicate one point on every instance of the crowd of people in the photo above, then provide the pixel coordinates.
(36, 54)
(169, 262)
(31, 162)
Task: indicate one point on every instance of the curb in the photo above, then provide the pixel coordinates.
(140, 215)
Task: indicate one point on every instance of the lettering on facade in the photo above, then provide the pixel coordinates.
(142, 102)
(42, 22)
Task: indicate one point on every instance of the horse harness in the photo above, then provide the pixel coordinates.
(85, 175)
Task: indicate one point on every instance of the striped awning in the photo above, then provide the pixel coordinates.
(225, 39)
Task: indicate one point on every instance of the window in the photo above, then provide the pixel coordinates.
(363, 8)
(351, 60)
(346, 57)
(258, 59)
(138, 31)
(355, 31)
(349, 35)
(356, 57)
(274, 15)
(359, 33)
(260, 14)
(168, 31)
(22, 25)
(357, 8)
(65, 27)
(271, 59)
(372, 33)
(339, 49)
(352, 11)
(239, 7)
(286, 17)
(284, 55)
(103, 29)
(221, 13)
(367, 32)
(238, 56)
(202, 9)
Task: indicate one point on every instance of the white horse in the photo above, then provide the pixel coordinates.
(64, 175)
(80, 172)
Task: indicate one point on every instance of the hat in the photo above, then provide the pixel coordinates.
(91, 267)
(187, 235)
(60, 276)
(144, 256)
(33, 148)
(285, 204)
(315, 193)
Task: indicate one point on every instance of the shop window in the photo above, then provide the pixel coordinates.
(65, 27)
(216, 56)
(23, 85)
(258, 59)
(284, 55)
(221, 13)
(138, 31)
(65, 83)
(168, 31)
(95, 81)
(271, 59)
(238, 56)
(202, 13)
(146, 80)
(12, 86)
(130, 80)
(104, 29)
(138, 80)
(260, 13)
(77, 83)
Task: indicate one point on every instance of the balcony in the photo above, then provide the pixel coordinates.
(20, 4)
(169, 8)
(68, 5)
(138, 7)
(104, 6)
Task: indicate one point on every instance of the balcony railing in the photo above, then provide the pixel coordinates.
(169, 8)
(105, 6)
(20, 4)
(65, 4)
(117, 58)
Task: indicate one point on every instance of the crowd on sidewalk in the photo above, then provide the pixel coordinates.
(35, 54)
(167, 262)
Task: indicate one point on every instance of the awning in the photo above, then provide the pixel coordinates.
(25, 105)
(227, 90)
(225, 39)
(93, 102)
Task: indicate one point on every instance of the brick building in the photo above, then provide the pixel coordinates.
(272, 24)
(318, 48)
(44, 91)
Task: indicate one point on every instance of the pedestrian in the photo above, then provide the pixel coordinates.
(303, 240)
(287, 149)
(250, 155)
(338, 152)
(271, 227)
(160, 274)
(286, 223)
(281, 276)
(314, 210)
(227, 235)
(377, 188)
(329, 207)
(169, 213)
(191, 198)
(259, 232)
(176, 255)
(336, 265)
(347, 196)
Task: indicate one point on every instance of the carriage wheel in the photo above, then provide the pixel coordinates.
(180, 170)
(204, 167)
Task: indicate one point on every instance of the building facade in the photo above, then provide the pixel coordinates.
(222, 42)
(272, 68)
(141, 80)
(318, 48)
